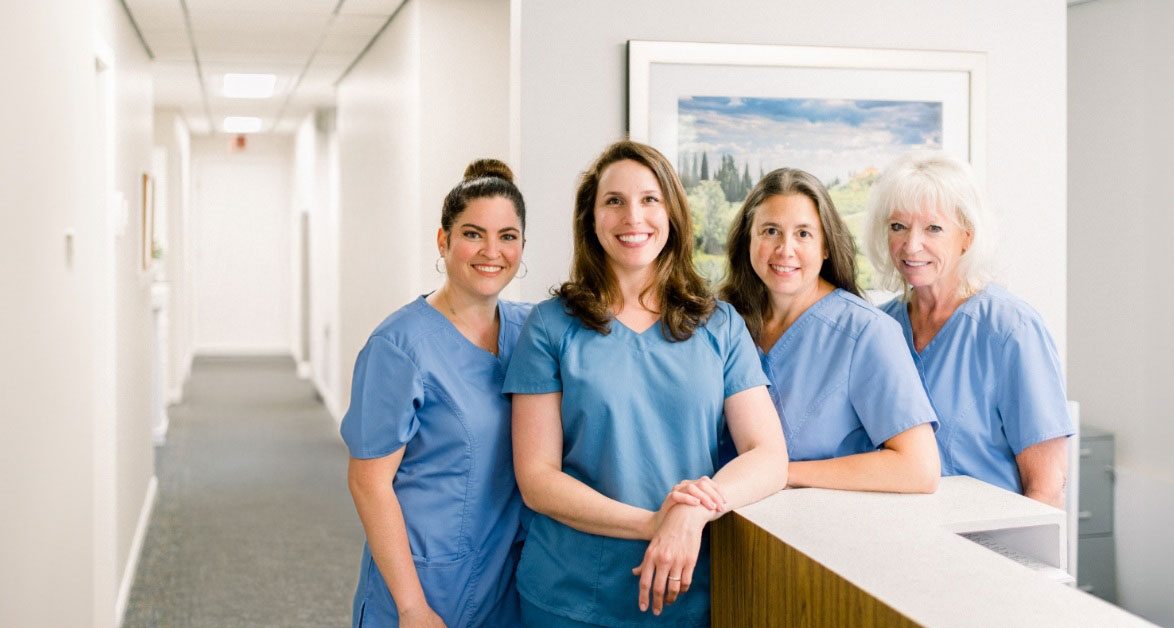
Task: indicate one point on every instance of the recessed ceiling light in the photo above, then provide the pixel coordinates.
(248, 85)
(241, 124)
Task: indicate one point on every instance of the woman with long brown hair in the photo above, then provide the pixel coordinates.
(853, 409)
(622, 384)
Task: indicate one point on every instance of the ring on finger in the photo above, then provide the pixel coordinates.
(674, 579)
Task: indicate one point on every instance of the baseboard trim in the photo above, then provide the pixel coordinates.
(159, 433)
(328, 399)
(175, 395)
(212, 350)
(136, 550)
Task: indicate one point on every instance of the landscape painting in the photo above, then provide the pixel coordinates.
(726, 144)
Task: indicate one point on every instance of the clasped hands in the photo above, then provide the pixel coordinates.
(667, 569)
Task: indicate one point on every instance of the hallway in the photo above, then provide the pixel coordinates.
(254, 525)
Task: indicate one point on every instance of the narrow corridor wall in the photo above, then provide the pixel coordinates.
(430, 95)
(46, 329)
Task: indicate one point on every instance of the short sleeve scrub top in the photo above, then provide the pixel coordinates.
(994, 376)
(842, 381)
(421, 385)
(639, 414)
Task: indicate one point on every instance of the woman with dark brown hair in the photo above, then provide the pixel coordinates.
(622, 384)
(854, 411)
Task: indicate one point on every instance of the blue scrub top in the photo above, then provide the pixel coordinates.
(842, 381)
(421, 385)
(639, 414)
(993, 374)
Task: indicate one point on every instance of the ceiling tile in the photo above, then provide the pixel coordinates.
(263, 6)
(150, 17)
(369, 7)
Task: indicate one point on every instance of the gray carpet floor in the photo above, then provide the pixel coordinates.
(254, 525)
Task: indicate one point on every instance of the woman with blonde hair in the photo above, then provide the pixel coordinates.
(988, 362)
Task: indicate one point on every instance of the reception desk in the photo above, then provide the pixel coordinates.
(814, 557)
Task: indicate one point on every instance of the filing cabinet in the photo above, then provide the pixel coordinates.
(1096, 556)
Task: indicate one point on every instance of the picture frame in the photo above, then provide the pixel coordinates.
(147, 226)
(722, 111)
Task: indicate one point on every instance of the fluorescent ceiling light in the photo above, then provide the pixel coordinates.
(241, 124)
(248, 85)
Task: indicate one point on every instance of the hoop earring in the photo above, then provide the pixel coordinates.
(439, 265)
(525, 271)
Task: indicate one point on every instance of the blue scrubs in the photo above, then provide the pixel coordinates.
(993, 374)
(842, 381)
(421, 385)
(639, 414)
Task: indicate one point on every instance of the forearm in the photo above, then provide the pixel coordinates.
(387, 536)
(882, 470)
(753, 475)
(567, 500)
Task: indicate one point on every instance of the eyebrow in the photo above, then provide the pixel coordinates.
(775, 224)
(469, 225)
(616, 193)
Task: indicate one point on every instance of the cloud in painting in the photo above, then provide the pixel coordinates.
(830, 138)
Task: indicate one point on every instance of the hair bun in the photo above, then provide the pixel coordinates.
(489, 168)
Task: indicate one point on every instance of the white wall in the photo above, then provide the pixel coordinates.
(316, 190)
(572, 102)
(429, 97)
(241, 245)
(47, 333)
(1120, 220)
(75, 453)
(174, 138)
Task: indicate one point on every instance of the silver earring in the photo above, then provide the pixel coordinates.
(525, 271)
(439, 265)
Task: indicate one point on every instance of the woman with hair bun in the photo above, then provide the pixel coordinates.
(428, 429)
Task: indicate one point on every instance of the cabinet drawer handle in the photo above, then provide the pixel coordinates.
(1084, 514)
(1085, 452)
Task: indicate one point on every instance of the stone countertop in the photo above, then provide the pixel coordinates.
(905, 551)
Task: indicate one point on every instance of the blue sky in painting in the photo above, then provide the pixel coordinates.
(830, 138)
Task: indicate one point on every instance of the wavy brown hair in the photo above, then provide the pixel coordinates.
(592, 293)
(742, 287)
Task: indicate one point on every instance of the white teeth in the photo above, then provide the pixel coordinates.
(487, 269)
(783, 269)
(634, 237)
(916, 264)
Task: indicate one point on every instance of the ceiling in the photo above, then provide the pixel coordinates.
(308, 44)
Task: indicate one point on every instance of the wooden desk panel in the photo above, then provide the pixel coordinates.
(758, 580)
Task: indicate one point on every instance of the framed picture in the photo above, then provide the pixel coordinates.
(726, 114)
(148, 221)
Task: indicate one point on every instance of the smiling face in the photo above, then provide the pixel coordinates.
(926, 246)
(631, 221)
(482, 250)
(787, 245)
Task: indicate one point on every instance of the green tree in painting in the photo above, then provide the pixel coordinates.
(711, 214)
(704, 167)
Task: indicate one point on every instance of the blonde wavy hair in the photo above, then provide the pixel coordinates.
(921, 181)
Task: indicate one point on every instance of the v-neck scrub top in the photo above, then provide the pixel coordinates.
(994, 376)
(421, 385)
(842, 380)
(639, 414)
